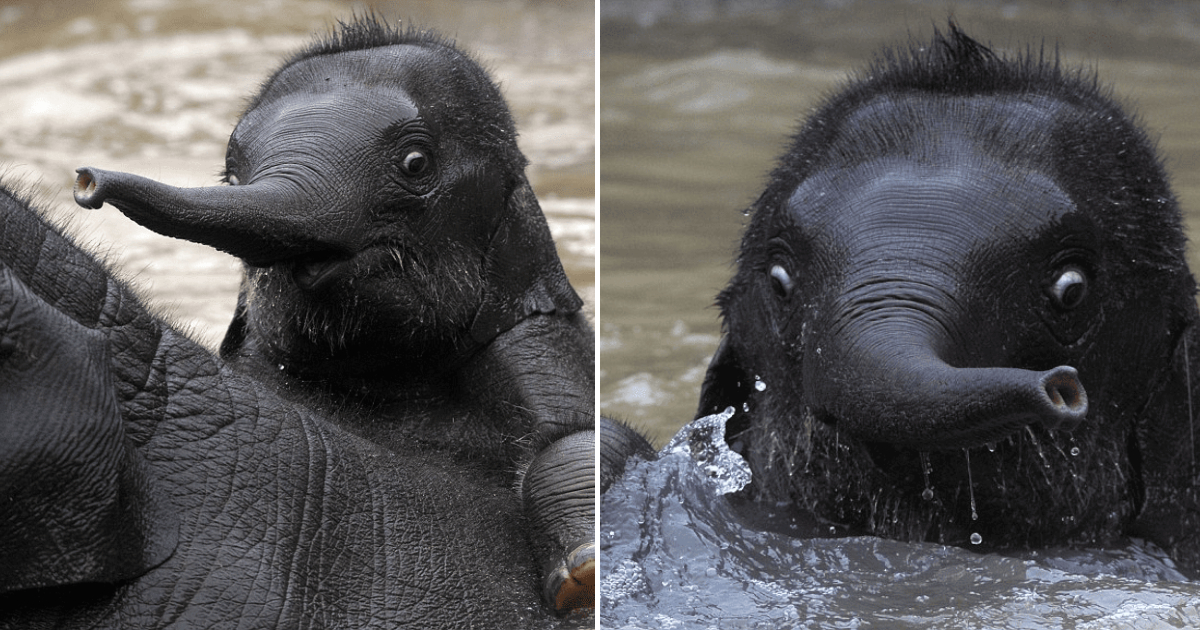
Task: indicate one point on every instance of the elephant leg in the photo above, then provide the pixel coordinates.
(559, 489)
(618, 443)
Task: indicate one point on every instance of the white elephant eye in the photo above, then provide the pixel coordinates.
(415, 163)
(781, 280)
(1069, 287)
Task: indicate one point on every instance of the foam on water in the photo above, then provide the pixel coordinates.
(677, 551)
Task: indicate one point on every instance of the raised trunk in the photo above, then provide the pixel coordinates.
(261, 223)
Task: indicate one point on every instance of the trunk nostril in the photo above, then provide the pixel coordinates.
(1066, 395)
(85, 190)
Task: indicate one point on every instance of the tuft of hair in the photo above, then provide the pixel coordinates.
(954, 63)
(368, 31)
(1097, 151)
(363, 32)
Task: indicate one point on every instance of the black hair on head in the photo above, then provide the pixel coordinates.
(1090, 145)
(369, 31)
(954, 63)
(363, 32)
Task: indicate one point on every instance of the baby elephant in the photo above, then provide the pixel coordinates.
(962, 312)
(400, 271)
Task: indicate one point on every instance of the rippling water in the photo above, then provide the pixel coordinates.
(154, 87)
(695, 107)
(680, 552)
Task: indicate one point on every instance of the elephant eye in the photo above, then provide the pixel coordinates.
(415, 163)
(1069, 287)
(232, 179)
(781, 280)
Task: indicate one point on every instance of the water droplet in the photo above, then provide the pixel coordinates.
(971, 486)
(710, 572)
(746, 407)
(760, 386)
(282, 367)
(1074, 451)
(991, 447)
(976, 538)
(927, 494)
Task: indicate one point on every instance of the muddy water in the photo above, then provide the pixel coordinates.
(155, 86)
(695, 108)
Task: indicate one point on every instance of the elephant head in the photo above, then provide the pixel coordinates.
(398, 266)
(959, 304)
(378, 198)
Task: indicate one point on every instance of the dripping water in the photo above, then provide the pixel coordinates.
(926, 468)
(970, 485)
(975, 537)
(1037, 446)
(1187, 370)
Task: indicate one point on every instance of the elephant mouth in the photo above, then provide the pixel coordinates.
(318, 270)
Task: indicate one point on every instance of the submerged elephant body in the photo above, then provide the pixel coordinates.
(962, 312)
(398, 431)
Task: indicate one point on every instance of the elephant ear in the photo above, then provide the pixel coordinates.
(725, 384)
(524, 274)
(78, 502)
(1169, 476)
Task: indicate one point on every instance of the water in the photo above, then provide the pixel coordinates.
(694, 110)
(154, 87)
(680, 552)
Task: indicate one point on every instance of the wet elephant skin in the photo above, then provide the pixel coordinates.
(962, 313)
(406, 344)
(239, 507)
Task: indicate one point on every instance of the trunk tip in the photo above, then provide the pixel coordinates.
(86, 189)
(1065, 397)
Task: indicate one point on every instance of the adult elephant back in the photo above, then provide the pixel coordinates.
(147, 484)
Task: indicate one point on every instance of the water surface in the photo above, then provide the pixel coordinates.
(695, 109)
(154, 87)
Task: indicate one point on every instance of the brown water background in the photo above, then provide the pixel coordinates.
(154, 87)
(696, 105)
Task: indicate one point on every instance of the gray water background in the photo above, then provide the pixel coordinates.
(154, 87)
(698, 98)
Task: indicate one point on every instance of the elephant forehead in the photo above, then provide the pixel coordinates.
(331, 107)
(898, 202)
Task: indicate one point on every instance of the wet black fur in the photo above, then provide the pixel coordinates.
(1108, 167)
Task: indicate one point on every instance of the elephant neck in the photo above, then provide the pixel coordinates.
(354, 377)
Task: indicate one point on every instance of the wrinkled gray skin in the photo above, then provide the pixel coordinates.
(964, 294)
(424, 455)
(398, 265)
(147, 483)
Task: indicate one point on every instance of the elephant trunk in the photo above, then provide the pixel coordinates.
(261, 223)
(902, 393)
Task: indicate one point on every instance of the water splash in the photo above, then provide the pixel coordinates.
(678, 555)
(704, 442)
